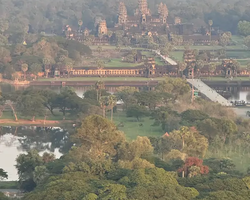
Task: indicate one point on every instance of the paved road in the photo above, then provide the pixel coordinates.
(209, 92)
(167, 59)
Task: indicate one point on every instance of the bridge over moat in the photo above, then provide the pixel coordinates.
(208, 92)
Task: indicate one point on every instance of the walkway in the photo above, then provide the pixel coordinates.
(167, 59)
(209, 92)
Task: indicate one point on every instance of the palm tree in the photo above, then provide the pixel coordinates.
(46, 63)
(25, 68)
(99, 85)
(210, 22)
(112, 102)
(103, 102)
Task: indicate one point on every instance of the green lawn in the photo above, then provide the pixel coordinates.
(238, 54)
(147, 53)
(233, 47)
(102, 79)
(243, 62)
(117, 62)
(241, 161)
(239, 40)
(132, 128)
(176, 55)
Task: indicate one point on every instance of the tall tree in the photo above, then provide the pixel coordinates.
(31, 105)
(210, 23)
(99, 85)
(97, 138)
(112, 102)
(26, 164)
(104, 100)
(25, 68)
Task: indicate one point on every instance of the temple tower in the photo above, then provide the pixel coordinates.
(122, 14)
(102, 28)
(163, 12)
(143, 8)
(160, 8)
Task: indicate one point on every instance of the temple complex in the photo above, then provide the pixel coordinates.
(144, 22)
(148, 68)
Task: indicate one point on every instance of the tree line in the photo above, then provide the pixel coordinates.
(20, 61)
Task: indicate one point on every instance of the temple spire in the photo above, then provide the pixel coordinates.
(122, 13)
(143, 7)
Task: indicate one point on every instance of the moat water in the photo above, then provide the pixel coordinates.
(17, 140)
(231, 93)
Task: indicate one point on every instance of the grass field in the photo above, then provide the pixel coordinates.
(233, 47)
(244, 62)
(239, 40)
(243, 57)
(102, 79)
(238, 54)
(132, 128)
(117, 62)
(242, 162)
(176, 55)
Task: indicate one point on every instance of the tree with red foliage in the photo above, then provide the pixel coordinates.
(193, 166)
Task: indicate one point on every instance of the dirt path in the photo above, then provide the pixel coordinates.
(29, 122)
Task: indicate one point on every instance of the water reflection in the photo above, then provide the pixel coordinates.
(17, 140)
(234, 93)
(5, 88)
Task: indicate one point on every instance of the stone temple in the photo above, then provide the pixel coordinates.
(143, 20)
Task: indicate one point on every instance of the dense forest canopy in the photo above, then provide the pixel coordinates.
(50, 16)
